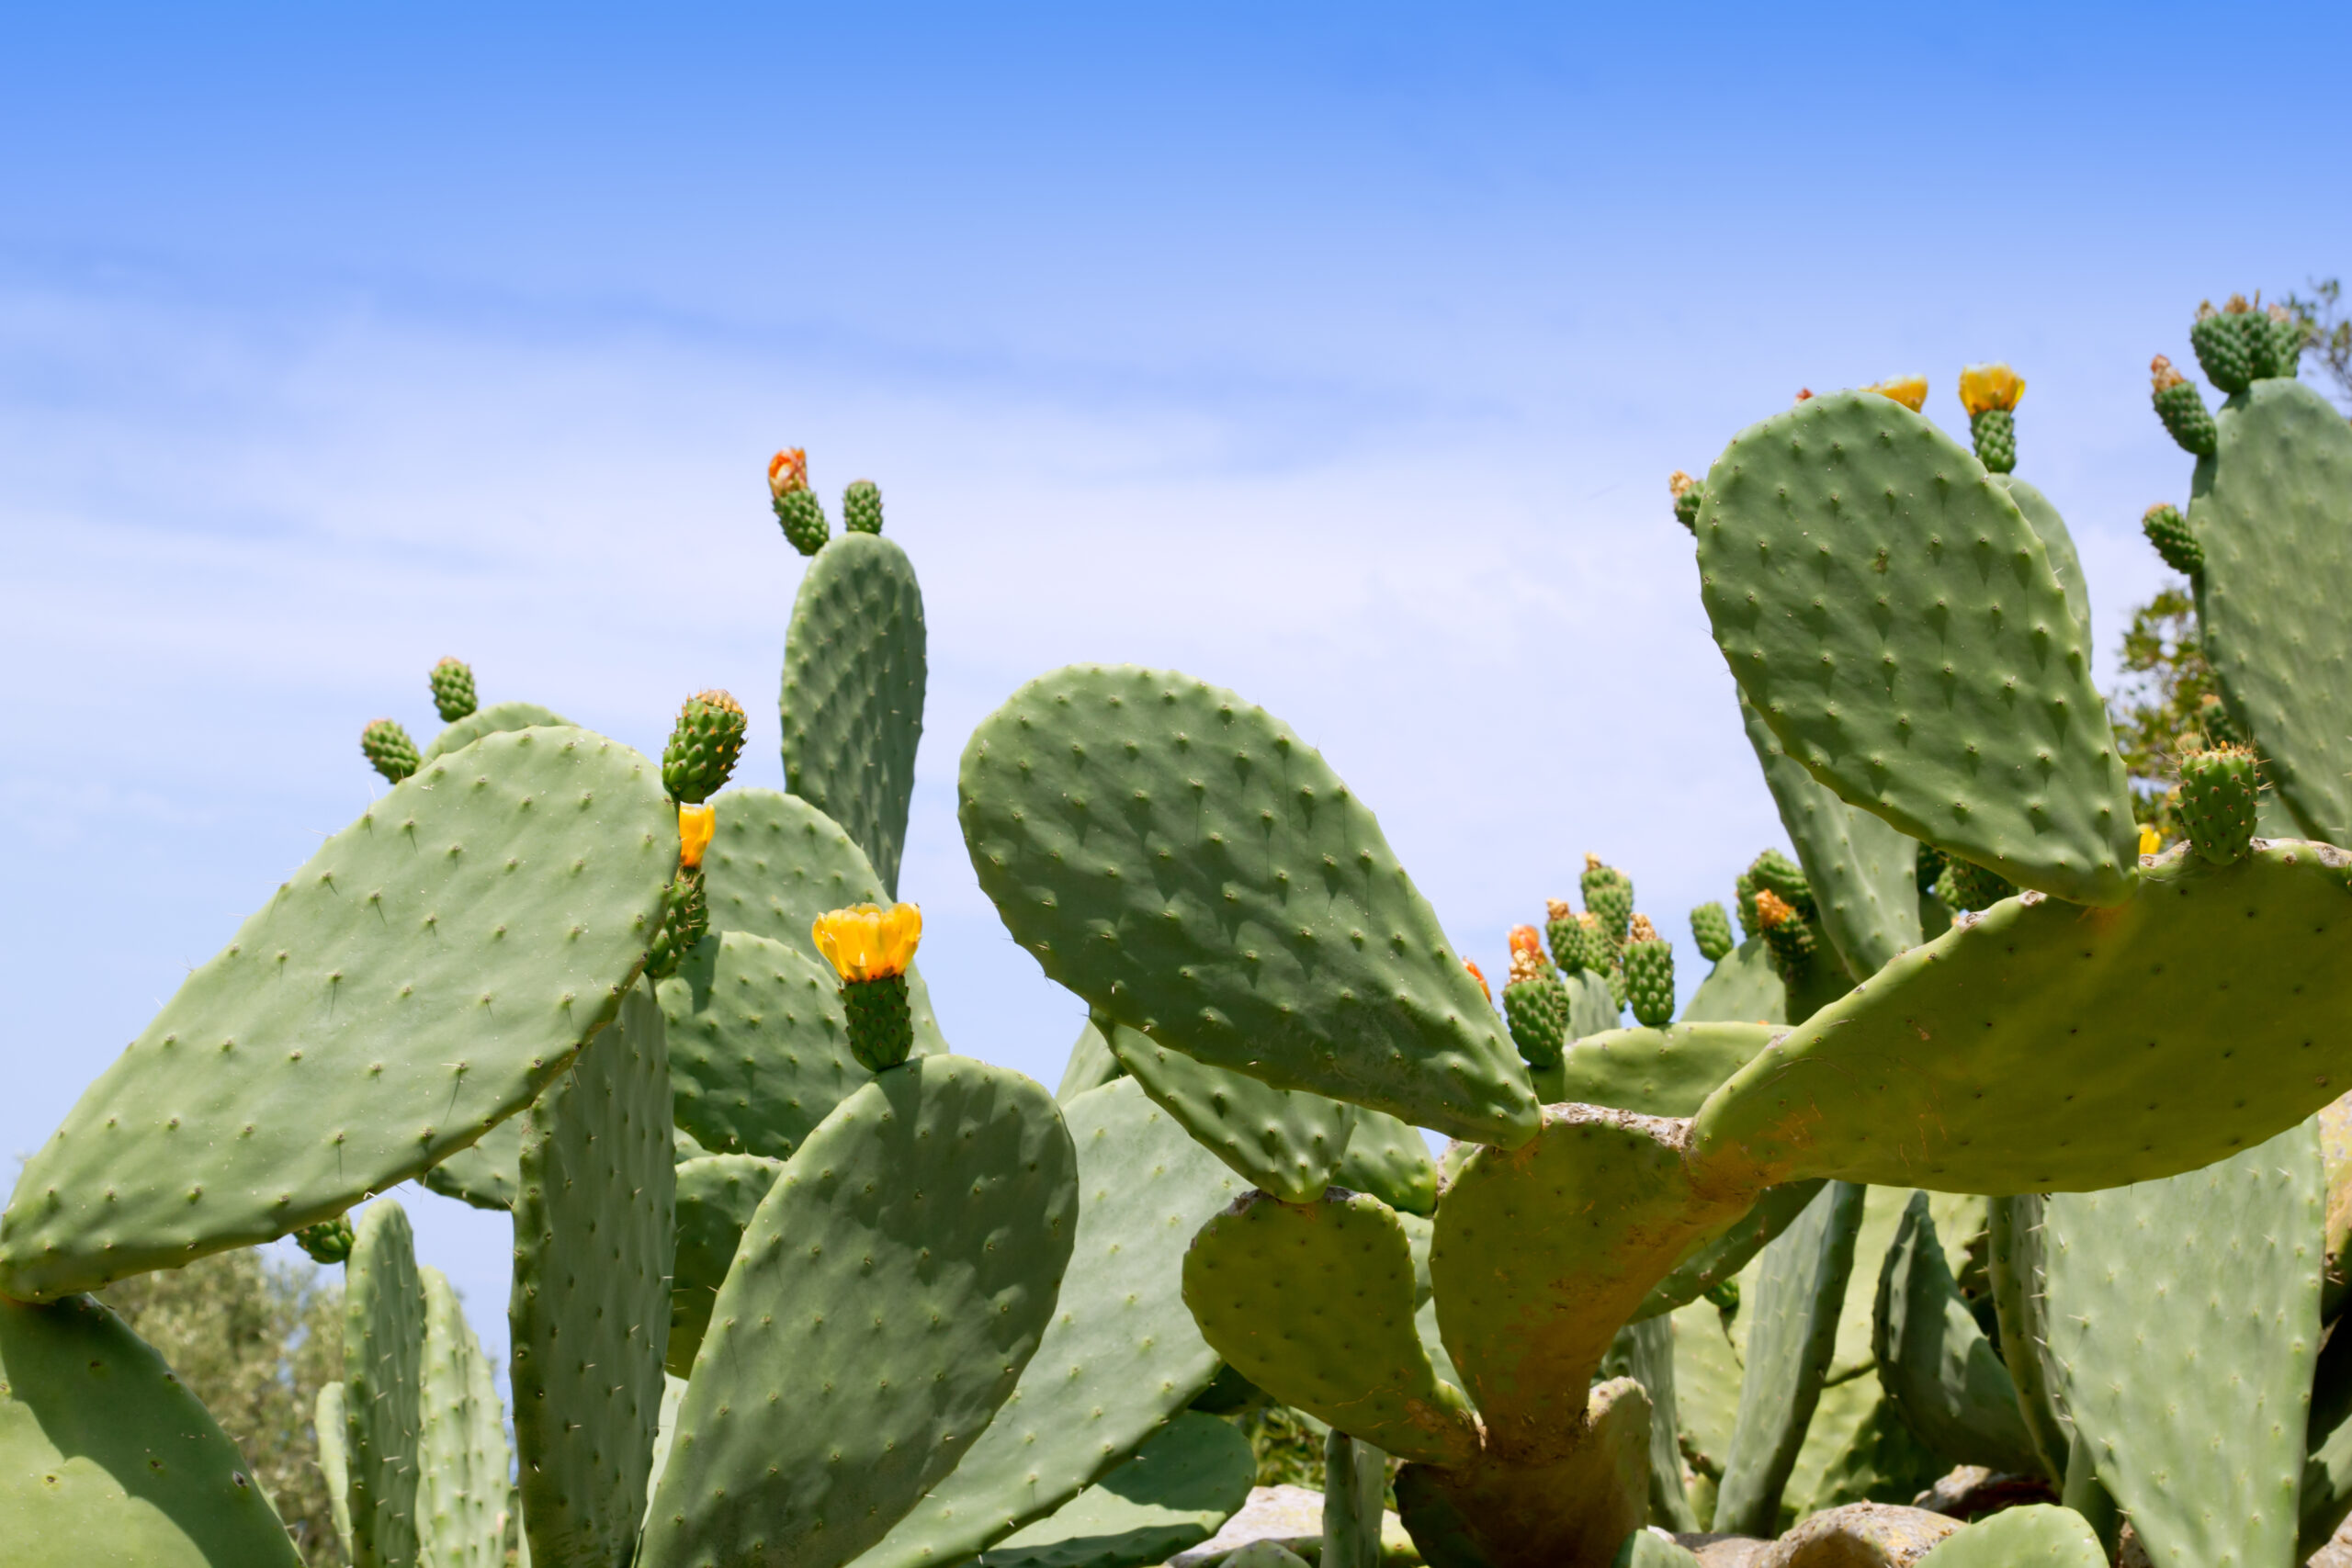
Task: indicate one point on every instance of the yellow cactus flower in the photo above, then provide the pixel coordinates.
(1984, 387)
(1911, 391)
(2150, 841)
(695, 825)
(1480, 976)
(868, 942)
(1680, 483)
(787, 471)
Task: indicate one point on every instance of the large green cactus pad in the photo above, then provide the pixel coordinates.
(2015, 1256)
(2039, 1535)
(1862, 870)
(852, 705)
(461, 1454)
(2066, 564)
(499, 718)
(1658, 1072)
(1743, 987)
(1721, 1257)
(1121, 1354)
(482, 1174)
(108, 1462)
(1182, 861)
(1798, 1290)
(2184, 1325)
(2273, 509)
(1286, 1142)
(1091, 1065)
(777, 862)
(1314, 1304)
(417, 982)
(590, 1308)
(1934, 1362)
(1895, 620)
(1391, 1161)
(1171, 1494)
(383, 1360)
(2044, 1047)
(892, 1287)
(717, 1196)
(1610, 1193)
(1644, 1350)
(759, 1049)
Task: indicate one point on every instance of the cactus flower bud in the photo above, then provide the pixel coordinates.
(696, 823)
(1649, 973)
(388, 747)
(704, 746)
(1911, 391)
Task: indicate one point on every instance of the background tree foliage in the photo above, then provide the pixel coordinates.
(255, 1338)
(2159, 701)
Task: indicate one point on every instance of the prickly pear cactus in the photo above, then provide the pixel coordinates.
(1710, 932)
(499, 718)
(453, 690)
(2217, 801)
(1649, 974)
(2169, 532)
(434, 966)
(1261, 945)
(862, 507)
(383, 1358)
(704, 745)
(462, 1460)
(389, 750)
(716, 1197)
(1286, 1142)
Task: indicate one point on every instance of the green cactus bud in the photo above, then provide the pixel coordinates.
(704, 746)
(387, 745)
(2217, 796)
(329, 1241)
(2182, 407)
(453, 690)
(1649, 973)
(1787, 933)
(862, 507)
(1710, 928)
(1619, 990)
(1609, 898)
(2226, 341)
(686, 920)
(1989, 392)
(2168, 531)
(1536, 1004)
(2281, 342)
(1689, 495)
(802, 516)
(1967, 885)
(870, 948)
(1564, 933)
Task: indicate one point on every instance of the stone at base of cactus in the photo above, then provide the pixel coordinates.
(453, 690)
(2167, 530)
(385, 744)
(329, 1241)
(1967, 885)
(1995, 433)
(862, 507)
(802, 516)
(2217, 801)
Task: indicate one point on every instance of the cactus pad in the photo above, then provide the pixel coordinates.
(717, 1196)
(2039, 1535)
(383, 1357)
(461, 1454)
(1743, 987)
(1391, 1161)
(1575, 1511)
(775, 863)
(1123, 1355)
(591, 1302)
(1936, 1363)
(2034, 993)
(1091, 1065)
(1284, 1141)
(1528, 1326)
(482, 1174)
(1649, 975)
(1658, 1072)
(1190, 867)
(432, 967)
(1314, 1304)
(2066, 564)
(2272, 509)
(452, 681)
(107, 1458)
(2182, 1311)
(852, 705)
(1895, 621)
(1171, 1494)
(892, 1287)
(499, 718)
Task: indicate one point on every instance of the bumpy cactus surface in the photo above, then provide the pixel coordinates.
(452, 681)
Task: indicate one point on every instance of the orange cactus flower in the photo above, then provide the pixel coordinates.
(695, 825)
(868, 942)
(1480, 976)
(787, 471)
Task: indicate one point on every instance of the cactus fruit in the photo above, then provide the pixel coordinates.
(1391, 1161)
(1911, 391)
(1608, 899)
(1534, 1001)
(1689, 496)
(1787, 933)
(797, 510)
(1564, 933)
(702, 747)
(499, 718)
(1711, 929)
(889, 1293)
(595, 1236)
(869, 948)
(1849, 623)
(430, 970)
(1649, 973)
(2182, 407)
(329, 1241)
(1280, 1141)
(1963, 885)
(1989, 393)
(1214, 951)
(453, 690)
(850, 706)
(2217, 787)
(2030, 993)
(2272, 509)
(389, 750)
(2168, 531)
(2228, 341)
(106, 1458)
(1664, 1071)
(1122, 1355)
(862, 507)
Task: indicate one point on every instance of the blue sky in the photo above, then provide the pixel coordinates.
(1338, 354)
